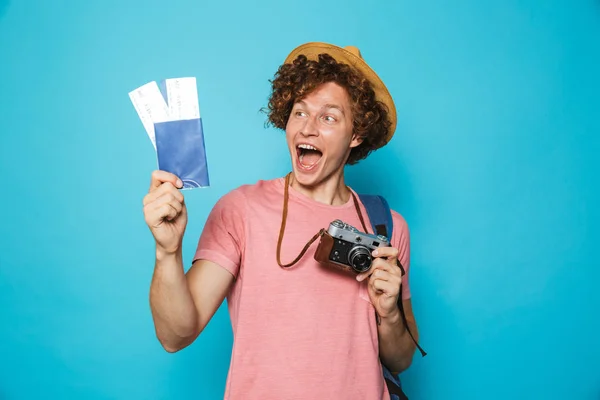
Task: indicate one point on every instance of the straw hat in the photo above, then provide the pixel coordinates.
(350, 55)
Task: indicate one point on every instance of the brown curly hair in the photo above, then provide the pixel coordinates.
(294, 81)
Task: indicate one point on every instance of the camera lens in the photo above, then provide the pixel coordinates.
(360, 258)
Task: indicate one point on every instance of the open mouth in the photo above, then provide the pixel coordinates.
(308, 156)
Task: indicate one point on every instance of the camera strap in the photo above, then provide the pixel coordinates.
(379, 226)
(315, 237)
(378, 223)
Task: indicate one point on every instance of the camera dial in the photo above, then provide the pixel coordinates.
(338, 224)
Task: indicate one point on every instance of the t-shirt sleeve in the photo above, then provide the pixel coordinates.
(222, 238)
(401, 239)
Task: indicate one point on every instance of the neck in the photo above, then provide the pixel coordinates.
(332, 190)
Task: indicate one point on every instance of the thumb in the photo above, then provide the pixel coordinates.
(362, 276)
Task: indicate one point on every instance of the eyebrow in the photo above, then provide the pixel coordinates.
(328, 105)
(336, 107)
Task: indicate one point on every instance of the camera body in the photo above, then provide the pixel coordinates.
(345, 247)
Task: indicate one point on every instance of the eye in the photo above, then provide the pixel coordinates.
(299, 113)
(329, 119)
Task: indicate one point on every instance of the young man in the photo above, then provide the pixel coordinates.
(302, 329)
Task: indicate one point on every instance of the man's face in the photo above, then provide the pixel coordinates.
(319, 134)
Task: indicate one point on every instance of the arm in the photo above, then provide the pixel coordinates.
(183, 304)
(396, 347)
(387, 287)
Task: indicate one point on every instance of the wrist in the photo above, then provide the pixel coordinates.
(392, 318)
(165, 255)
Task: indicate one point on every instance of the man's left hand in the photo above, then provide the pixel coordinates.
(384, 277)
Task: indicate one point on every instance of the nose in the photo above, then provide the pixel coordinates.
(309, 128)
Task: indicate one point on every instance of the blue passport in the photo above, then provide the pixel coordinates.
(180, 150)
(170, 113)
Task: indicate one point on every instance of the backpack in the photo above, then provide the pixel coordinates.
(380, 216)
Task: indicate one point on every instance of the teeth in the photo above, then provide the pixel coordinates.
(307, 147)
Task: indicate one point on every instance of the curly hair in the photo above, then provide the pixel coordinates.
(294, 81)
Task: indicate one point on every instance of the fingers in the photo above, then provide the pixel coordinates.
(169, 199)
(385, 282)
(164, 188)
(159, 177)
(386, 287)
(384, 275)
(163, 201)
(380, 264)
(390, 253)
(163, 212)
(168, 206)
(385, 258)
(167, 211)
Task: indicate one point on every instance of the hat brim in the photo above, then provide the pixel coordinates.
(312, 50)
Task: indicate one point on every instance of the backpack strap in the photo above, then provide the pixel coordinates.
(380, 215)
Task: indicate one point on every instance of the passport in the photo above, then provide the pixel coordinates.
(170, 113)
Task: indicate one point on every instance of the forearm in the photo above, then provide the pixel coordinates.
(396, 347)
(173, 310)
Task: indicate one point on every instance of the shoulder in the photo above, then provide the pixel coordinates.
(260, 188)
(244, 195)
(399, 221)
(231, 210)
(401, 231)
(401, 239)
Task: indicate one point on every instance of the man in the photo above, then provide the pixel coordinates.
(302, 329)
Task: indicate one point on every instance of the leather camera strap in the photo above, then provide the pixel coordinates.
(315, 237)
(282, 229)
(319, 234)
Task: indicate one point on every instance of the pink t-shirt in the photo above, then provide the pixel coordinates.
(306, 332)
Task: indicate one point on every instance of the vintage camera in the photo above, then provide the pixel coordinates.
(345, 247)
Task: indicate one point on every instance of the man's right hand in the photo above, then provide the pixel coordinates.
(165, 211)
(182, 303)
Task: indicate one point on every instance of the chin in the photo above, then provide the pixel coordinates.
(306, 177)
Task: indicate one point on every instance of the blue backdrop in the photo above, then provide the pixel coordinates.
(494, 167)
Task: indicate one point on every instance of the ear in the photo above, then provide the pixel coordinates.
(356, 141)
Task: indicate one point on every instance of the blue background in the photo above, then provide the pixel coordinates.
(494, 166)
